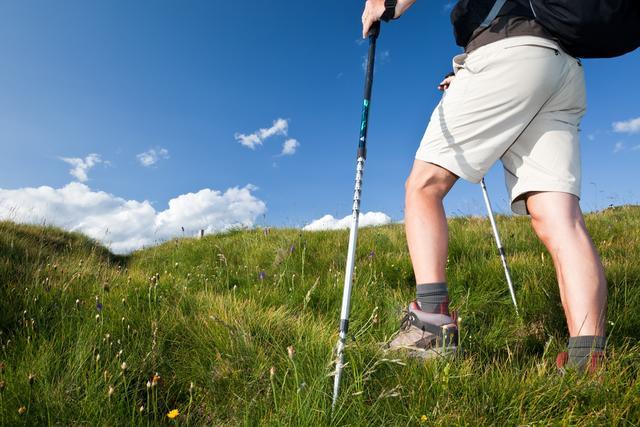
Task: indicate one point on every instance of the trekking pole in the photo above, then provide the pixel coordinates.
(503, 257)
(353, 235)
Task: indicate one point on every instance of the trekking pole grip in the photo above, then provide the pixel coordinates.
(374, 31)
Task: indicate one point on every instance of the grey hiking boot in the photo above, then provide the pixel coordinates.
(426, 335)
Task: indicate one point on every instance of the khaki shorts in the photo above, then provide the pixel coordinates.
(519, 100)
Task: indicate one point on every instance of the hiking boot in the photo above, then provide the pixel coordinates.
(595, 362)
(426, 335)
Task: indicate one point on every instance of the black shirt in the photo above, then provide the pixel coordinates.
(507, 26)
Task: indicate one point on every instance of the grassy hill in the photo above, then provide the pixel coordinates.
(239, 328)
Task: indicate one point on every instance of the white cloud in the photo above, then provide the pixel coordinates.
(279, 127)
(82, 166)
(126, 225)
(152, 156)
(328, 222)
(618, 147)
(289, 147)
(250, 141)
(629, 126)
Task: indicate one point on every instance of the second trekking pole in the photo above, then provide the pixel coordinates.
(503, 256)
(353, 235)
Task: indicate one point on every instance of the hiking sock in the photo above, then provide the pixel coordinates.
(433, 297)
(581, 348)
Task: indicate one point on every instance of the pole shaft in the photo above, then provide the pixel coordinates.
(355, 214)
(503, 256)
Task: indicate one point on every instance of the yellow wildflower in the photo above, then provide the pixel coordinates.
(172, 414)
(423, 418)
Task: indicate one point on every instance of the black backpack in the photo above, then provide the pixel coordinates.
(585, 28)
(592, 28)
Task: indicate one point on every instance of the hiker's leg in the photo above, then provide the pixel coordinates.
(557, 220)
(425, 220)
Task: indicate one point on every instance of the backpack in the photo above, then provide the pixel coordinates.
(585, 28)
(591, 28)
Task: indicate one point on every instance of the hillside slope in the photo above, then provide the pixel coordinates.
(239, 328)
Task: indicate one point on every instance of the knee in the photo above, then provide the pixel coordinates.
(543, 228)
(555, 226)
(424, 184)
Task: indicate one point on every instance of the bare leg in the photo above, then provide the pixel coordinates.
(557, 220)
(425, 221)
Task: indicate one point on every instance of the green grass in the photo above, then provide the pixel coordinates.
(200, 315)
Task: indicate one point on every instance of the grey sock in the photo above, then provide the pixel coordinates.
(580, 349)
(433, 297)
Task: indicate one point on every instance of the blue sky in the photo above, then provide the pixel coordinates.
(121, 78)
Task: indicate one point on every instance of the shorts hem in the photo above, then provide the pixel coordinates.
(452, 166)
(518, 204)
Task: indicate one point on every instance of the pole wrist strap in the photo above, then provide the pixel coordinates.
(389, 10)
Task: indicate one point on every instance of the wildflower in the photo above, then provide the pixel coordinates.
(262, 275)
(423, 419)
(173, 413)
(291, 352)
(156, 379)
(292, 249)
(97, 317)
(119, 353)
(141, 408)
(148, 384)
(191, 386)
(123, 366)
(32, 378)
(272, 372)
(77, 303)
(372, 254)
(97, 358)
(111, 390)
(99, 306)
(22, 410)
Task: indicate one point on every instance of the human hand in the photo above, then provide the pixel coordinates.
(444, 84)
(373, 10)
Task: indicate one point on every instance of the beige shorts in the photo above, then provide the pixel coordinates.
(519, 100)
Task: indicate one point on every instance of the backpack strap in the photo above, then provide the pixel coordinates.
(493, 13)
